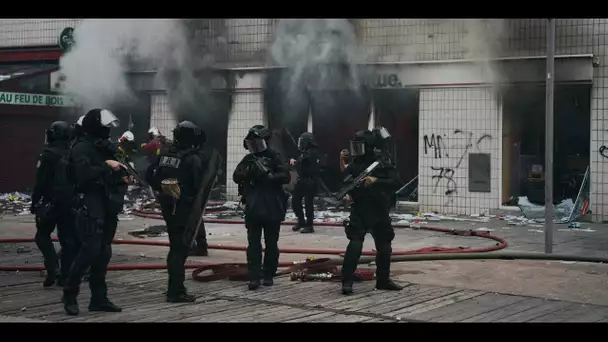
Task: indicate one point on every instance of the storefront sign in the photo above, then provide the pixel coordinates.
(36, 100)
(66, 39)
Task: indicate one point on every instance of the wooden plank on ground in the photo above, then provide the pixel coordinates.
(340, 318)
(54, 310)
(315, 315)
(415, 310)
(507, 311)
(13, 319)
(128, 304)
(175, 311)
(575, 313)
(414, 295)
(546, 308)
(468, 308)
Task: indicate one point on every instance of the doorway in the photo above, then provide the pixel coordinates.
(524, 141)
(398, 111)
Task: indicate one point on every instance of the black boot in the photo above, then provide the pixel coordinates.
(267, 279)
(307, 229)
(70, 304)
(50, 280)
(351, 258)
(254, 280)
(347, 287)
(181, 297)
(383, 282)
(103, 305)
(296, 227)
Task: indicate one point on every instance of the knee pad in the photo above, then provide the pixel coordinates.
(354, 233)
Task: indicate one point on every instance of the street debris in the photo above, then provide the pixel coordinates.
(139, 197)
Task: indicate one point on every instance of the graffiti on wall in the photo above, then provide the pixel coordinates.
(437, 147)
(603, 151)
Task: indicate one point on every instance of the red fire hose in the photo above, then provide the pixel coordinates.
(238, 270)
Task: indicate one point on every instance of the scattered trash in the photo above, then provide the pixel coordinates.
(574, 225)
(536, 230)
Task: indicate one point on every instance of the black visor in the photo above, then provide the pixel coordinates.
(357, 148)
(256, 145)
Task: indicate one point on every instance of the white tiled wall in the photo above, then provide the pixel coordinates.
(443, 111)
(247, 111)
(32, 32)
(161, 116)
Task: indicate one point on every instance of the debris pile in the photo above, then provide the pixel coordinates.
(15, 203)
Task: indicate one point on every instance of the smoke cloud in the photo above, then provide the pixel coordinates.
(318, 54)
(106, 49)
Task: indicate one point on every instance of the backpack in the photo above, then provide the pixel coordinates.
(63, 186)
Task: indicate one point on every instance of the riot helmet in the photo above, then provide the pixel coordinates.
(99, 122)
(201, 138)
(306, 141)
(186, 134)
(257, 138)
(58, 131)
(362, 143)
(153, 133)
(127, 137)
(383, 141)
(382, 136)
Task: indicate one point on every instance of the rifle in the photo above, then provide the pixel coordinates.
(120, 157)
(357, 181)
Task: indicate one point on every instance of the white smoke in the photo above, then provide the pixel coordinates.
(106, 49)
(318, 53)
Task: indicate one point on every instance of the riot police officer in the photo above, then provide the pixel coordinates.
(97, 176)
(261, 174)
(49, 206)
(308, 166)
(369, 212)
(182, 163)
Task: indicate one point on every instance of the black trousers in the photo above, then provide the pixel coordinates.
(383, 233)
(304, 190)
(178, 251)
(95, 251)
(64, 222)
(271, 231)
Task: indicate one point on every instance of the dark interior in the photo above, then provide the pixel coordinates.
(336, 116)
(211, 112)
(524, 141)
(398, 111)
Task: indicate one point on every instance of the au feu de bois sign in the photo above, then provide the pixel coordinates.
(36, 100)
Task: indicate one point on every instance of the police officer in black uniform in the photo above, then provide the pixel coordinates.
(308, 166)
(49, 209)
(182, 162)
(261, 174)
(97, 176)
(369, 213)
(200, 247)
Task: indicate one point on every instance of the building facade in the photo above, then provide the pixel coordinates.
(463, 98)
